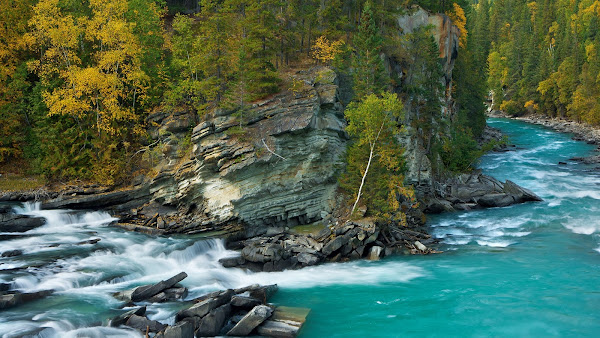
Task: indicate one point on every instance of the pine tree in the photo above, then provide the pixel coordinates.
(369, 76)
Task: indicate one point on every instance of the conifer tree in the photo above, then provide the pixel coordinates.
(370, 76)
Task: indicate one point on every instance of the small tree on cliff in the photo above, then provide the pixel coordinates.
(375, 163)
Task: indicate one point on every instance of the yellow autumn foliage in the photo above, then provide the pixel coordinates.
(459, 19)
(326, 51)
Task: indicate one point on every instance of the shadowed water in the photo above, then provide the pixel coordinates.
(526, 270)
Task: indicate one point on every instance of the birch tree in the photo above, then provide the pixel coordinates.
(375, 158)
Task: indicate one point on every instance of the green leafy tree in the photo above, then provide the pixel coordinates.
(375, 164)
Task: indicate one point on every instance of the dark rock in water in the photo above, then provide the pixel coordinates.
(213, 322)
(495, 200)
(562, 163)
(14, 299)
(12, 253)
(251, 320)
(521, 194)
(437, 206)
(143, 324)
(10, 222)
(244, 302)
(198, 310)
(90, 241)
(232, 262)
(97, 201)
(169, 295)
(5, 287)
(147, 291)
(183, 329)
(263, 293)
(122, 318)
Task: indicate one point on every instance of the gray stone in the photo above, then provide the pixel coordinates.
(10, 222)
(213, 322)
(263, 293)
(15, 299)
(12, 253)
(147, 291)
(198, 310)
(244, 302)
(183, 329)
(272, 328)
(333, 245)
(251, 320)
(143, 324)
(307, 259)
(495, 200)
(122, 318)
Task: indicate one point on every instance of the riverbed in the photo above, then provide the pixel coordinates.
(525, 270)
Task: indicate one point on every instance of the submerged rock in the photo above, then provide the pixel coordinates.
(14, 299)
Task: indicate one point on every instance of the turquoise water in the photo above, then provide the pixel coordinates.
(528, 271)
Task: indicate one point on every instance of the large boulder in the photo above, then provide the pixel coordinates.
(251, 320)
(143, 324)
(212, 323)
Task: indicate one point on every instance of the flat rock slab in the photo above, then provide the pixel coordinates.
(147, 291)
(251, 320)
(244, 302)
(10, 222)
(285, 322)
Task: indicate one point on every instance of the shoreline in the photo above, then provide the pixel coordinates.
(582, 132)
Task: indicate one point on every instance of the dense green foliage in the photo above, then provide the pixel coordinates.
(79, 78)
(543, 56)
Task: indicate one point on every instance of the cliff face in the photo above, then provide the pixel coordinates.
(420, 170)
(278, 169)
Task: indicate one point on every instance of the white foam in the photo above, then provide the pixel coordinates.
(496, 243)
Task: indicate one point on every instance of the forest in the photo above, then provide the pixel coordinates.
(78, 79)
(542, 56)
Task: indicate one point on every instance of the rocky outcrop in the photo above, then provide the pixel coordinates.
(475, 191)
(273, 165)
(11, 222)
(342, 242)
(420, 172)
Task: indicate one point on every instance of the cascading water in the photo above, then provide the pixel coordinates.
(525, 270)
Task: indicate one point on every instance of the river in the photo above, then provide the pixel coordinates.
(525, 270)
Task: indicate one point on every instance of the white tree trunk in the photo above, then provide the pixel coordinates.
(362, 182)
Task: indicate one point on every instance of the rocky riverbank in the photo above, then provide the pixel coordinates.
(580, 131)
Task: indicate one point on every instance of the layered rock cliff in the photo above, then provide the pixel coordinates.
(273, 165)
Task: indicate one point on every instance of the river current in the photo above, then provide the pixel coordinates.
(526, 270)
